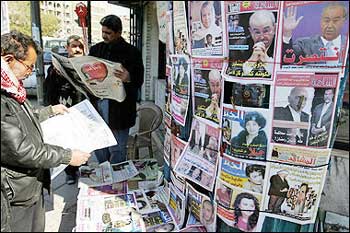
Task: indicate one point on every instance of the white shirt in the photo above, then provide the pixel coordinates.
(324, 110)
(297, 118)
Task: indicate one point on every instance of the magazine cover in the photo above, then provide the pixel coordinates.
(181, 41)
(304, 108)
(206, 28)
(237, 207)
(315, 35)
(181, 81)
(252, 38)
(293, 193)
(207, 88)
(246, 132)
(177, 205)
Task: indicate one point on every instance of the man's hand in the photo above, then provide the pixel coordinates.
(290, 22)
(59, 109)
(79, 158)
(259, 53)
(123, 74)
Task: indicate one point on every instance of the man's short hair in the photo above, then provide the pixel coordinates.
(337, 4)
(17, 43)
(262, 14)
(73, 38)
(112, 22)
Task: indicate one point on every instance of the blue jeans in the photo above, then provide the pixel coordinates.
(117, 153)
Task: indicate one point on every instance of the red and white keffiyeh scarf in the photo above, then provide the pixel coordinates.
(11, 84)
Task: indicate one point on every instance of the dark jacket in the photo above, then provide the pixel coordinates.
(5, 206)
(25, 158)
(278, 184)
(58, 90)
(122, 115)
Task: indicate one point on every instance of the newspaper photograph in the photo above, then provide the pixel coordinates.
(245, 132)
(95, 175)
(237, 207)
(304, 108)
(103, 190)
(181, 81)
(91, 75)
(177, 148)
(206, 28)
(181, 40)
(81, 128)
(169, 47)
(251, 37)
(177, 205)
(105, 214)
(315, 35)
(200, 206)
(245, 174)
(198, 162)
(207, 84)
(123, 171)
(300, 156)
(147, 177)
(293, 193)
(160, 220)
(247, 94)
(142, 202)
(168, 78)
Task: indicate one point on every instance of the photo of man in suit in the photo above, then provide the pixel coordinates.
(278, 191)
(292, 112)
(330, 43)
(321, 120)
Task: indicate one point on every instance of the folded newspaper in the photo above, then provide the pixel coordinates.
(91, 75)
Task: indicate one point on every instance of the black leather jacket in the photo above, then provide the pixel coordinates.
(25, 158)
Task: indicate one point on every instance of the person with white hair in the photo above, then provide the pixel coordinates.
(278, 190)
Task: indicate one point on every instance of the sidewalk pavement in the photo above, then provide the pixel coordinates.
(62, 206)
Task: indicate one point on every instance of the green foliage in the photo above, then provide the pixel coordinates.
(20, 19)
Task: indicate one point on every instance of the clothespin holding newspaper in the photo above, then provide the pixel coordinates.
(81, 11)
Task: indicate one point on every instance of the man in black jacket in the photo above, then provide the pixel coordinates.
(58, 90)
(120, 116)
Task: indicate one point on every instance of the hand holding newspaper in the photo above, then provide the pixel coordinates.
(92, 75)
(82, 128)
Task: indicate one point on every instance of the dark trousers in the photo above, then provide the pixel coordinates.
(71, 170)
(28, 219)
(275, 203)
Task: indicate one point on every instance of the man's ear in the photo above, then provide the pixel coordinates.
(9, 58)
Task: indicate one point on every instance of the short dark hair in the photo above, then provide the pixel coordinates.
(255, 168)
(254, 116)
(17, 44)
(113, 22)
(73, 38)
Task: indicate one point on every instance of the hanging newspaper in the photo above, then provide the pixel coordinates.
(206, 28)
(199, 161)
(237, 207)
(246, 132)
(304, 108)
(91, 75)
(181, 41)
(293, 193)
(181, 81)
(251, 38)
(177, 149)
(116, 213)
(315, 35)
(207, 88)
(201, 208)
